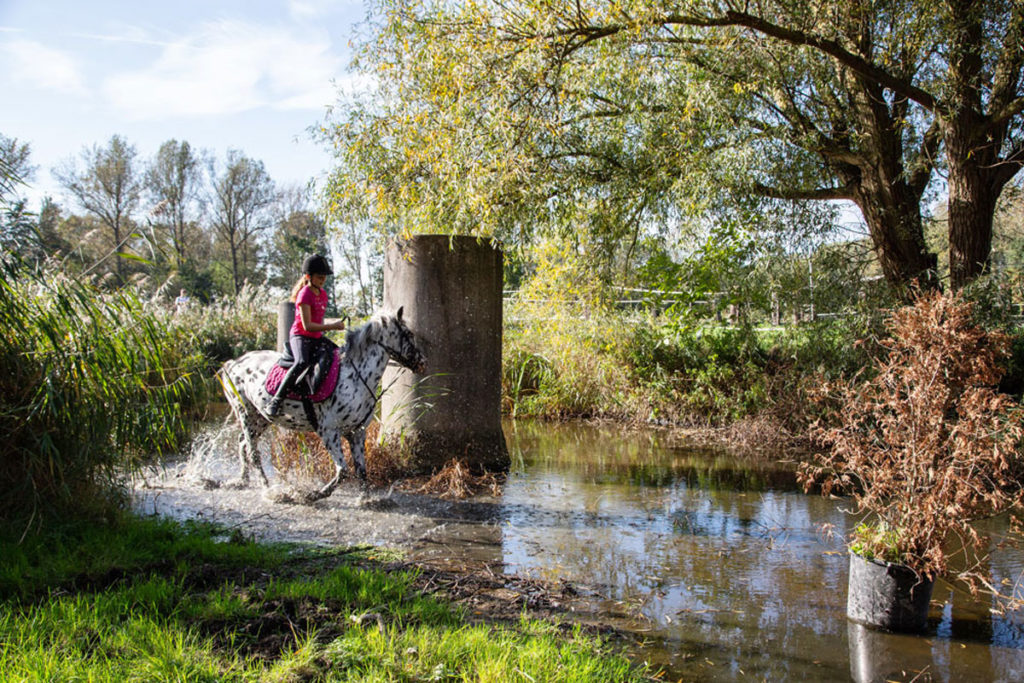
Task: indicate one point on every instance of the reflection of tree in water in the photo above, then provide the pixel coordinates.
(610, 455)
(727, 560)
(745, 564)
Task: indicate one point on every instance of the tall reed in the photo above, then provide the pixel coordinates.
(90, 385)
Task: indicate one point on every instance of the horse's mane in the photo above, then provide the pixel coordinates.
(359, 338)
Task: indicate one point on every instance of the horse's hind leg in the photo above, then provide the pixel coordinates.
(253, 425)
(357, 443)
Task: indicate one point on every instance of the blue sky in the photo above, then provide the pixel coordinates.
(218, 73)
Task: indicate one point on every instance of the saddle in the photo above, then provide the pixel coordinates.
(320, 378)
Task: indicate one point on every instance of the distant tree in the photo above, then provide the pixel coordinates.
(109, 187)
(174, 184)
(17, 223)
(298, 232)
(18, 230)
(15, 167)
(242, 195)
(359, 272)
(51, 241)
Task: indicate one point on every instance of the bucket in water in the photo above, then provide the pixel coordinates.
(886, 595)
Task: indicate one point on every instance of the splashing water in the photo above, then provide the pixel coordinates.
(211, 455)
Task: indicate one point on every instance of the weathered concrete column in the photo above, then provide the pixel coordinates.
(285, 318)
(450, 289)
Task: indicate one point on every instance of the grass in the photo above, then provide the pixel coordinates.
(147, 599)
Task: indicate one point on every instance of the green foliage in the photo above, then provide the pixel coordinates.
(562, 364)
(149, 600)
(226, 327)
(876, 542)
(90, 386)
(619, 121)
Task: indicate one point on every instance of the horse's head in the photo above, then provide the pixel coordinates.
(400, 343)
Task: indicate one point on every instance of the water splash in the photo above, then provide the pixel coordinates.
(212, 455)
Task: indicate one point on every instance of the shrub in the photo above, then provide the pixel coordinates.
(927, 446)
(227, 327)
(91, 385)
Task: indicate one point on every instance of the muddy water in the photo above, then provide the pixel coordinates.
(719, 563)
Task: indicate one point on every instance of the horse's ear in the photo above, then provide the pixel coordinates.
(399, 314)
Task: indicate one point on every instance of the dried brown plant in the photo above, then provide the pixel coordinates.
(302, 456)
(928, 446)
(456, 481)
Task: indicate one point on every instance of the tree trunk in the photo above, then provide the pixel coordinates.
(118, 262)
(972, 205)
(234, 266)
(897, 233)
(976, 180)
(973, 145)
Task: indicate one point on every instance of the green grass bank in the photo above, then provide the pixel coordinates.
(149, 600)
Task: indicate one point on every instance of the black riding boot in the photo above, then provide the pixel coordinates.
(273, 406)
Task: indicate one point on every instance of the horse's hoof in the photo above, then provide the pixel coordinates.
(361, 473)
(379, 504)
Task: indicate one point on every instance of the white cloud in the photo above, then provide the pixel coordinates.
(314, 9)
(35, 65)
(229, 67)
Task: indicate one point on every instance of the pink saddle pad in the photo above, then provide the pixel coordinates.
(277, 373)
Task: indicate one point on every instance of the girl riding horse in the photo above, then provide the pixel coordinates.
(305, 337)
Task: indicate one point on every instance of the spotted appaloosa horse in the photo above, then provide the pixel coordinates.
(346, 412)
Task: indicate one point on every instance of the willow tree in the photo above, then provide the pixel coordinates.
(500, 116)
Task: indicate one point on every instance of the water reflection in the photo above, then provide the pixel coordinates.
(716, 560)
(724, 560)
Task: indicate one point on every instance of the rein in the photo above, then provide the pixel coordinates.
(401, 358)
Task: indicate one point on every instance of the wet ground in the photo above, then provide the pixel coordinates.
(717, 562)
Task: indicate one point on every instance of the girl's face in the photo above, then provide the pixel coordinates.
(318, 280)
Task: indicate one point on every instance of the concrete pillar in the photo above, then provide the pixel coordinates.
(285, 318)
(450, 290)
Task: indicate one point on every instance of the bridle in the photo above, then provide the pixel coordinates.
(394, 353)
(397, 354)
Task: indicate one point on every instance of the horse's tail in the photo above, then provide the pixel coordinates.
(227, 384)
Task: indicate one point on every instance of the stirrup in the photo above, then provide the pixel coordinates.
(273, 406)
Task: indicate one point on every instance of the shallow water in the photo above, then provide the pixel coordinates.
(719, 562)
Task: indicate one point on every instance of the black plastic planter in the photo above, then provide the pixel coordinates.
(889, 596)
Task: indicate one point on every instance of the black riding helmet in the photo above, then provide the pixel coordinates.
(316, 265)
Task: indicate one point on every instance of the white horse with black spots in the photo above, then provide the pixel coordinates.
(345, 412)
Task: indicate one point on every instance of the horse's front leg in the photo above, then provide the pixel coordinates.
(253, 425)
(357, 444)
(332, 441)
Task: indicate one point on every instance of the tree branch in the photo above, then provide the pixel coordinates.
(832, 48)
(926, 157)
(1007, 73)
(817, 194)
(1011, 166)
(1007, 112)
